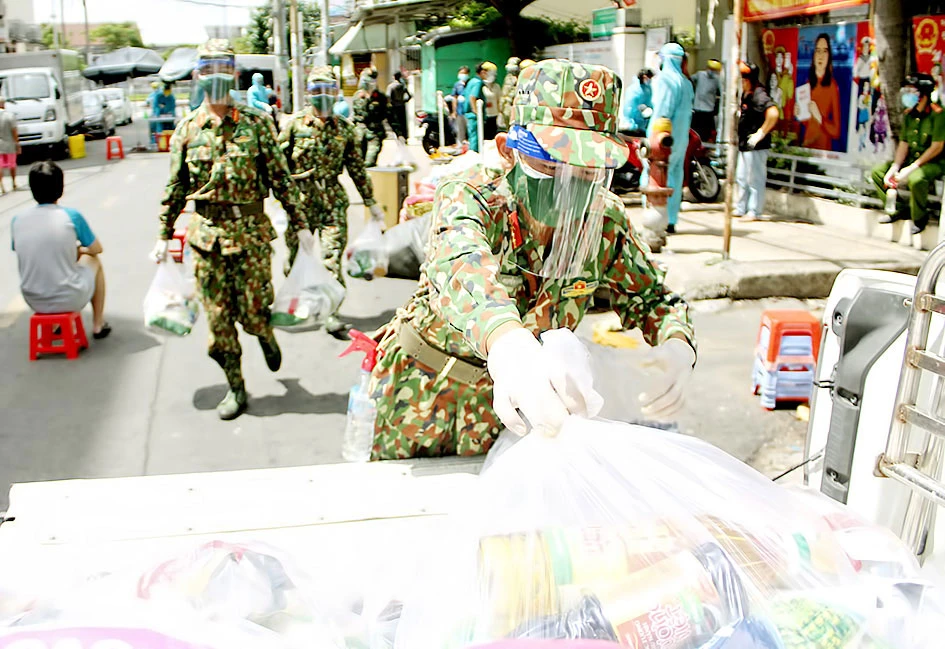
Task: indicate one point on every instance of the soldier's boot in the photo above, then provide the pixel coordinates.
(270, 349)
(234, 403)
(336, 328)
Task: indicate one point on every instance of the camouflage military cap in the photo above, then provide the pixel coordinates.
(323, 74)
(215, 48)
(572, 109)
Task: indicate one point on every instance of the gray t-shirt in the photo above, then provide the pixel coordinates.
(7, 124)
(45, 238)
(707, 89)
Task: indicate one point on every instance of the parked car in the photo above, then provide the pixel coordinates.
(119, 103)
(99, 118)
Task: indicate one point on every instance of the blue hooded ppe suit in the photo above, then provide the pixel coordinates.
(672, 99)
(257, 96)
(640, 94)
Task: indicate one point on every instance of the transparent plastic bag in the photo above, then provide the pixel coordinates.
(367, 256)
(247, 595)
(169, 305)
(405, 245)
(309, 294)
(654, 540)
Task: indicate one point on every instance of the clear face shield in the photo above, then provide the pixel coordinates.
(217, 77)
(561, 206)
(323, 94)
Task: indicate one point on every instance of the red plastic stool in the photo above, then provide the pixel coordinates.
(71, 334)
(110, 148)
(176, 247)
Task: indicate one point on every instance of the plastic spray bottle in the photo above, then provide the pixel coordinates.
(359, 428)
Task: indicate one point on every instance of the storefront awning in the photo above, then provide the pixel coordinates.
(361, 38)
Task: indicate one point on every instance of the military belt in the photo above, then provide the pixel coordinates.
(457, 369)
(213, 211)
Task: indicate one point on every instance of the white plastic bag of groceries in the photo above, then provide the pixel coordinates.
(367, 256)
(169, 305)
(309, 294)
(656, 540)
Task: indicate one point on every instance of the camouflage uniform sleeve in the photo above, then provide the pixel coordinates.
(639, 295)
(178, 185)
(286, 141)
(354, 163)
(461, 268)
(283, 186)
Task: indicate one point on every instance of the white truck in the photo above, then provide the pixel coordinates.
(44, 90)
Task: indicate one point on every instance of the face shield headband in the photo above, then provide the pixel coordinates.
(562, 206)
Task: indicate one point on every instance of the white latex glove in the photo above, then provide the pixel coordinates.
(307, 241)
(669, 366)
(755, 138)
(531, 386)
(159, 252)
(903, 175)
(377, 213)
(890, 178)
(647, 112)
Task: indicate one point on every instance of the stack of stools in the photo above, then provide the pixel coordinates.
(785, 356)
(57, 333)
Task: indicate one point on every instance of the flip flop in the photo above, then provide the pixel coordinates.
(106, 329)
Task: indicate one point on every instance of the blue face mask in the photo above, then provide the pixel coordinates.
(463, 77)
(909, 100)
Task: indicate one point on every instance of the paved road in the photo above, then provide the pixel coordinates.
(138, 403)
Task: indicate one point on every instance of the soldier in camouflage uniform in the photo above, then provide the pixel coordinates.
(225, 158)
(370, 111)
(459, 360)
(508, 92)
(318, 146)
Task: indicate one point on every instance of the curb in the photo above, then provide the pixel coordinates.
(757, 280)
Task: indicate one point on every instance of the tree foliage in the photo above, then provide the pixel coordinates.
(118, 35)
(49, 37)
(260, 33)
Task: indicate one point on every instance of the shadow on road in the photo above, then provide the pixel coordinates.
(296, 400)
(370, 323)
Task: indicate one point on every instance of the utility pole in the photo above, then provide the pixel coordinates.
(326, 37)
(298, 66)
(278, 48)
(62, 22)
(734, 92)
(88, 43)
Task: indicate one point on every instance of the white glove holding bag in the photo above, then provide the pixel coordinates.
(159, 252)
(535, 388)
(755, 138)
(904, 174)
(889, 178)
(669, 366)
(377, 213)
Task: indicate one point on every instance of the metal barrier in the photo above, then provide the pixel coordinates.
(849, 175)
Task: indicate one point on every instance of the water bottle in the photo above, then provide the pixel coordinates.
(892, 197)
(362, 413)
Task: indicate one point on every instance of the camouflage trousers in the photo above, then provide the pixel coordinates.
(371, 141)
(422, 415)
(234, 289)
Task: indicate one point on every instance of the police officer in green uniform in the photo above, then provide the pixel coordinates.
(918, 162)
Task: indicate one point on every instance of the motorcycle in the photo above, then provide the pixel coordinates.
(700, 175)
(429, 124)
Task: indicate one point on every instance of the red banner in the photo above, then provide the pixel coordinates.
(771, 9)
(929, 38)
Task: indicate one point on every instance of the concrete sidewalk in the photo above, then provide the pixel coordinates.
(769, 258)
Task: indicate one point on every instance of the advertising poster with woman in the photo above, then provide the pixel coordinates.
(869, 133)
(780, 48)
(822, 97)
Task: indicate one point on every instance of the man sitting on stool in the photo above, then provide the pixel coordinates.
(920, 149)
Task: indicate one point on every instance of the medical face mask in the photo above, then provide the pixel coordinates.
(535, 192)
(217, 87)
(490, 77)
(909, 99)
(462, 76)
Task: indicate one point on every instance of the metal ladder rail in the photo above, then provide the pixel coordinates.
(921, 474)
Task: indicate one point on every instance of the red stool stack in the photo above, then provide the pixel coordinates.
(71, 334)
(114, 148)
